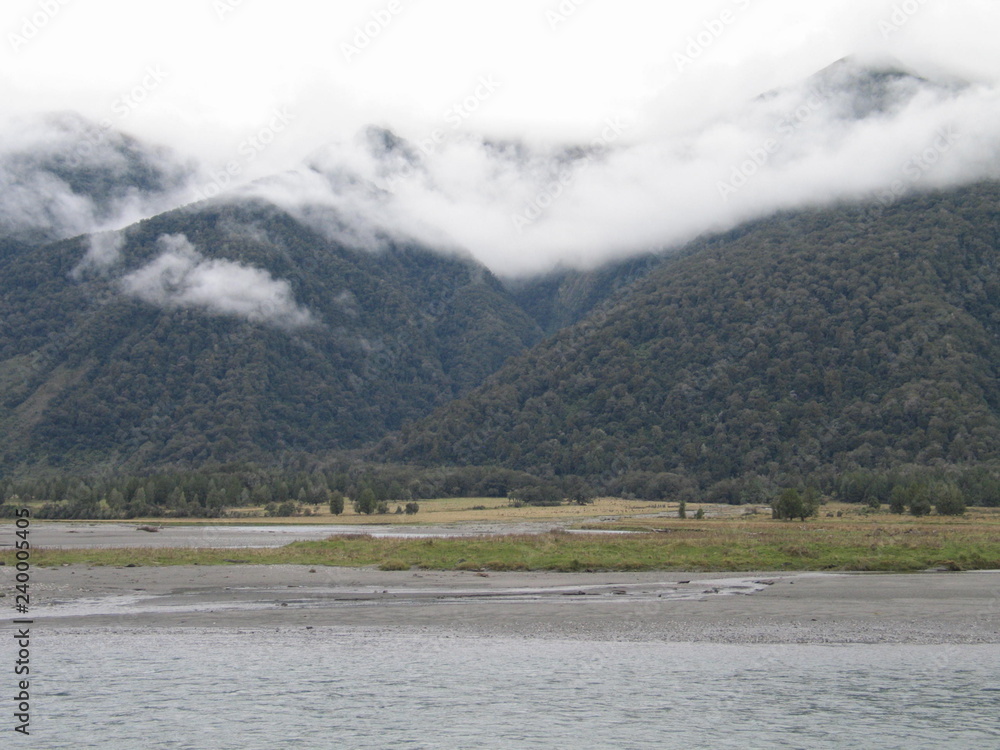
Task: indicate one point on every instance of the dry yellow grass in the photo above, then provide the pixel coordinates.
(447, 511)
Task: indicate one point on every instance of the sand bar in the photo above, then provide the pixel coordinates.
(931, 607)
(82, 535)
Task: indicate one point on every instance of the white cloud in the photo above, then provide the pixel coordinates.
(847, 135)
(224, 75)
(103, 251)
(182, 277)
(62, 175)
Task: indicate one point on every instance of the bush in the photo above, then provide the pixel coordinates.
(394, 565)
(412, 509)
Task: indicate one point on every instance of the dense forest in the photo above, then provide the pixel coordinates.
(802, 346)
(853, 351)
(91, 376)
(299, 487)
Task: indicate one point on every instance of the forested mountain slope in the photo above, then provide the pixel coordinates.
(234, 332)
(566, 296)
(823, 340)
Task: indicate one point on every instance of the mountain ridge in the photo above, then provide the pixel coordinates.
(791, 372)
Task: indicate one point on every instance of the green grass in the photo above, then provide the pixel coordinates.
(722, 545)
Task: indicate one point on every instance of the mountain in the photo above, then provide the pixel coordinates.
(63, 175)
(231, 331)
(816, 341)
(858, 90)
(563, 297)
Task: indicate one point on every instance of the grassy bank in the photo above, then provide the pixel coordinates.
(850, 544)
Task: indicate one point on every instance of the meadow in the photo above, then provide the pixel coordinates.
(728, 538)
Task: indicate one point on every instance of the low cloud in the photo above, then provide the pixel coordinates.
(104, 250)
(642, 183)
(851, 133)
(180, 276)
(62, 175)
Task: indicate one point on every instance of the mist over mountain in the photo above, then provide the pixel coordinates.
(759, 294)
(854, 131)
(63, 175)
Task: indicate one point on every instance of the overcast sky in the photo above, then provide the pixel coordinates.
(206, 75)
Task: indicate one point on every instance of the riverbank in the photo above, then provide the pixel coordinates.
(926, 608)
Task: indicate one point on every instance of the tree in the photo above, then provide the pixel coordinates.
(948, 499)
(787, 505)
(336, 503)
(682, 509)
(899, 499)
(578, 491)
(792, 504)
(811, 500)
(538, 494)
(366, 501)
(412, 508)
(920, 504)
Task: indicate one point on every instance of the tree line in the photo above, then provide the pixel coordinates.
(375, 489)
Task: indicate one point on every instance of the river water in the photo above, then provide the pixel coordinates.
(332, 688)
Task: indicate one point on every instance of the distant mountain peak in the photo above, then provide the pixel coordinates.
(867, 87)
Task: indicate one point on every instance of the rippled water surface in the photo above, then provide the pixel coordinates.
(327, 689)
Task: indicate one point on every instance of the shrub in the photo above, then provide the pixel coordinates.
(394, 565)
